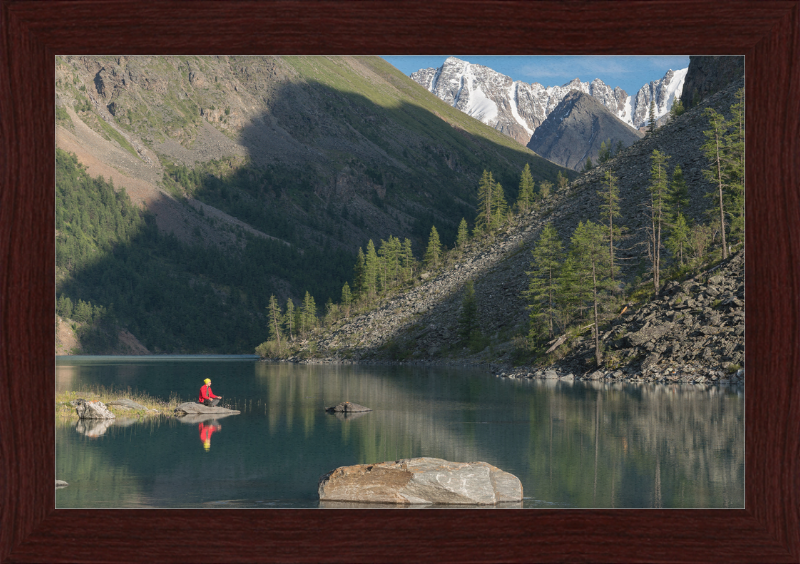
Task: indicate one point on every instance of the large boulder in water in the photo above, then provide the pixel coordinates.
(421, 481)
(92, 410)
(347, 407)
(191, 407)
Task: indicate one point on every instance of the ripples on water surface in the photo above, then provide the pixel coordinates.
(571, 445)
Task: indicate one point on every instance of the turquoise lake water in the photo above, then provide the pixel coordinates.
(581, 445)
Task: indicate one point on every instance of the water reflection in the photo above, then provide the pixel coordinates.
(93, 428)
(582, 444)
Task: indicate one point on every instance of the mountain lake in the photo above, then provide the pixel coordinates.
(573, 445)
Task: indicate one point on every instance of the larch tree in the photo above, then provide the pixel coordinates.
(434, 250)
(678, 240)
(347, 300)
(408, 260)
(545, 189)
(463, 234)
(274, 321)
(588, 245)
(371, 271)
(309, 312)
(288, 319)
(609, 209)
(499, 205)
(359, 274)
(713, 149)
(651, 118)
(658, 211)
(678, 193)
(545, 282)
(525, 197)
(735, 166)
(561, 181)
(483, 221)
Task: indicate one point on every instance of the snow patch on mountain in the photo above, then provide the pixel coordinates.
(517, 108)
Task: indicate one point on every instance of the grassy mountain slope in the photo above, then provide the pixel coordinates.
(282, 166)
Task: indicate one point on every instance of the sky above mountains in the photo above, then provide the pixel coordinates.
(629, 72)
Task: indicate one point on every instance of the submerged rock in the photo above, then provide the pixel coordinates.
(92, 410)
(191, 407)
(347, 407)
(421, 481)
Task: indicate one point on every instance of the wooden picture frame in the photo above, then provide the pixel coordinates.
(33, 32)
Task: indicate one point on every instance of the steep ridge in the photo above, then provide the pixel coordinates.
(421, 324)
(575, 130)
(708, 75)
(517, 108)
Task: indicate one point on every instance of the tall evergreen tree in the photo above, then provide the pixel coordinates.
(678, 193)
(713, 149)
(500, 206)
(360, 274)
(309, 312)
(463, 234)
(483, 221)
(371, 271)
(525, 197)
(468, 319)
(275, 318)
(606, 151)
(289, 320)
(678, 240)
(587, 166)
(588, 245)
(735, 167)
(545, 281)
(433, 251)
(347, 300)
(659, 211)
(610, 209)
(651, 118)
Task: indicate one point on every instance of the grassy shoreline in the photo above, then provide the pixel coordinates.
(154, 407)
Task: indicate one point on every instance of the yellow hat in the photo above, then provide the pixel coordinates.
(207, 380)
(207, 444)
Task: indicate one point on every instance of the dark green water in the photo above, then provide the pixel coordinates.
(571, 445)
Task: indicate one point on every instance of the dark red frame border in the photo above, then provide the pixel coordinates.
(33, 32)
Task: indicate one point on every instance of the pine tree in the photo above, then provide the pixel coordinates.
(468, 320)
(274, 321)
(677, 109)
(587, 166)
(610, 209)
(678, 240)
(463, 234)
(605, 152)
(499, 205)
(659, 211)
(433, 251)
(713, 149)
(620, 146)
(347, 300)
(371, 271)
(651, 118)
(588, 246)
(525, 198)
(289, 320)
(545, 281)
(483, 221)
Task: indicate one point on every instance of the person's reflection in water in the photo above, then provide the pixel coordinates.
(206, 431)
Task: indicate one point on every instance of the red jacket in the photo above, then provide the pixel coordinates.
(206, 393)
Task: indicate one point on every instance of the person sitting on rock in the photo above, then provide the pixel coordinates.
(207, 397)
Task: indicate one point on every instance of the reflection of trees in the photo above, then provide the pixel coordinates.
(683, 445)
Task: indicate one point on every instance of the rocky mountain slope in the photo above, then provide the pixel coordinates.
(421, 324)
(575, 129)
(517, 108)
(295, 160)
(708, 75)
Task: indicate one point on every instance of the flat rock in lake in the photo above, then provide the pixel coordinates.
(347, 407)
(421, 481)
(61, 484)
(126, 403)
(203, 417)
(92, 410)
(191, 407)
